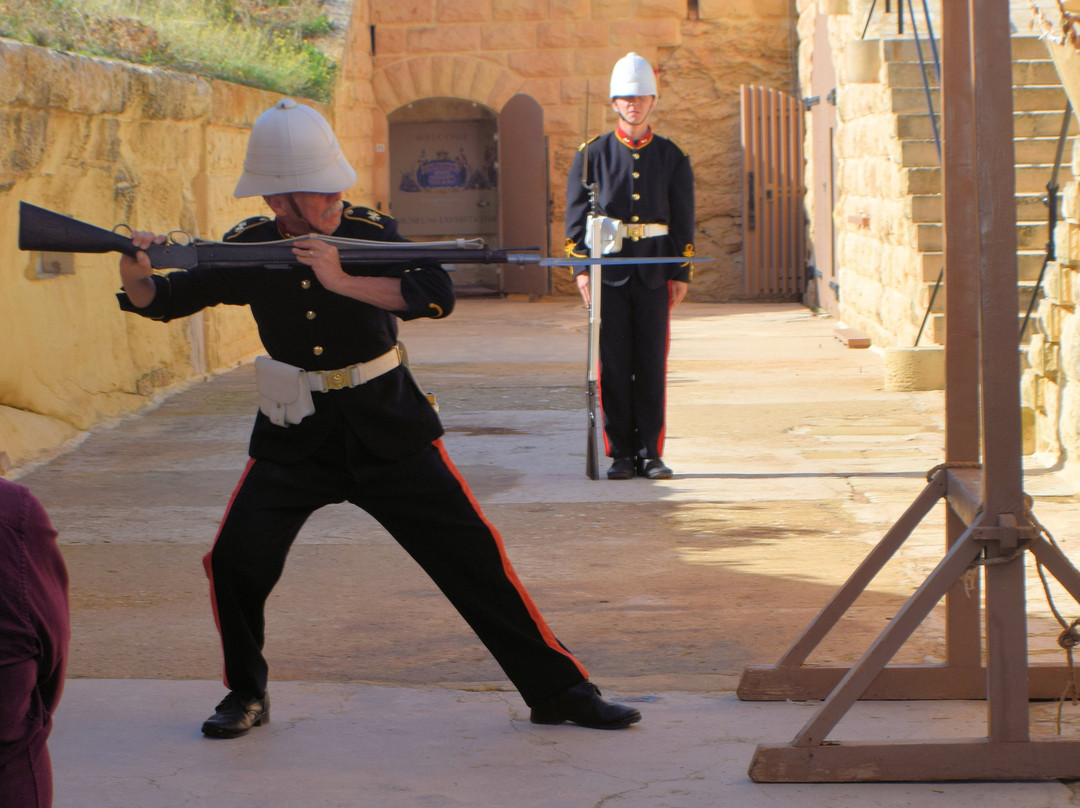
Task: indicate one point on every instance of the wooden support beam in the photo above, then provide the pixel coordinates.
(925, 762)
(895, 683)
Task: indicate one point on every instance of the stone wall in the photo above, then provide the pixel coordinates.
(1050, 383)
(108, 143)
(880, 271)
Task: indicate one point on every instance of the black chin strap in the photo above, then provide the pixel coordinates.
(298, 214)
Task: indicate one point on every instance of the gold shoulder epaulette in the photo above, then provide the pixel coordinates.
(587, 142)
(247, 224)
(367, 215)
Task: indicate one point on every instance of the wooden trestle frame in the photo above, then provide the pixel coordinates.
(987, 523)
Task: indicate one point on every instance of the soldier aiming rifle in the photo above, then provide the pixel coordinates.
(342, 420)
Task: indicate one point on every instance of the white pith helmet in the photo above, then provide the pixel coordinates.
(292, 148)
(632, 75)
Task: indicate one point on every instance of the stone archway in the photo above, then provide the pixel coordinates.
(449, 79)
(465, 77)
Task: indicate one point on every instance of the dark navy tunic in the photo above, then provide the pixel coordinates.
(305, 325)
(645, 182)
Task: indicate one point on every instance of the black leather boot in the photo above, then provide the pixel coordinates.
(582, 705)
(236, 715)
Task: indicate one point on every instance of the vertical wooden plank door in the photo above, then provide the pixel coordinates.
(774, 222)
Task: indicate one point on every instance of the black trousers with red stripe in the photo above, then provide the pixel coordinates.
(428, 508)
(634, 337)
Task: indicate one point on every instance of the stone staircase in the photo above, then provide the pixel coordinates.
(1038, 103)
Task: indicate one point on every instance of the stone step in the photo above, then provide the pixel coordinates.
(1041, 151)
(922, 208)
(927, 208)
(904, 49)
(1030, 236)
(1025, 99)
(922, 180)
(935, 329)
(1040, 73)
(1041, 123)
(1028, 151)
(1030, 179)
(1024, 292)
(1025, 124)
(1035, 73)
(928, 238)
(1032, 208)
(1028, 265)
(918, 153)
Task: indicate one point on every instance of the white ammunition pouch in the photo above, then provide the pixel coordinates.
(284, 392)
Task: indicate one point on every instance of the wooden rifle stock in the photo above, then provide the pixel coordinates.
(47, 231)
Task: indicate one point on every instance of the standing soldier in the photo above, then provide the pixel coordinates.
(357, 429)
(646, 184)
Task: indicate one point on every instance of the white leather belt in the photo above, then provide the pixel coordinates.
(613, 231)
(321, 381)
(634, 232)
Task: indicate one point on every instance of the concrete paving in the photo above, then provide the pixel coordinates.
(791, 461)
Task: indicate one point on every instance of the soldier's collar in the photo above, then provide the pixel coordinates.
(626, 140)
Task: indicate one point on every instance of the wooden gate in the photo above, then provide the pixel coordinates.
(774, 222)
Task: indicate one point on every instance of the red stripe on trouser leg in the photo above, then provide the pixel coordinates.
(511, 575)
(663, 399)
(600, 415)
(208, 566)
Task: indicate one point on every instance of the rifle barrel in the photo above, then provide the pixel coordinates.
(46, 231)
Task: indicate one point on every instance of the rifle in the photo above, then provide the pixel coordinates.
(592, 370)
(47, 231)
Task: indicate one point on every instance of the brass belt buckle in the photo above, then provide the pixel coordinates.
(635, 231)
(336, 379)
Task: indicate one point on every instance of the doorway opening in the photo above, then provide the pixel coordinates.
(444, 180)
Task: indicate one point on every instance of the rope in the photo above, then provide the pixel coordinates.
(1069, 638)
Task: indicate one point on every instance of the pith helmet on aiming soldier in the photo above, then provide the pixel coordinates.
(293, 149)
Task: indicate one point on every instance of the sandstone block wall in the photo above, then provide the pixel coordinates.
(1050, 381)
(879, 267)
(108, 143)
